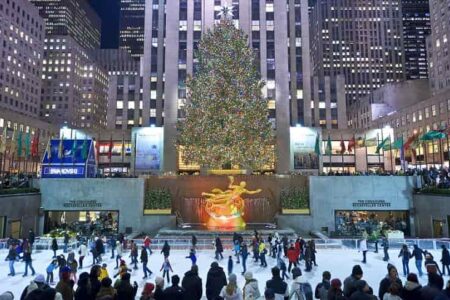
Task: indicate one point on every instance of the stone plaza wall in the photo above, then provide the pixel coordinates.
(429, 209)
(23, 208)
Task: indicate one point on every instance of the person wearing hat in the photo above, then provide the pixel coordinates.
(321, 291)
(349, 282)
(125, 291)
(269, 294)
(93, 280)
(362, 292)
(119, 253)
(412, 288)
(418, 254)
(84, 288)
(37, 283)
(300, 289)
(192, 284)
(65, 285)
(159, 288)
(147, 292)
(174, 292)
(405, 255)
(335, 292)
(82, 252)
(279, 287)
(122, 269)
(106, 289)
(103, 272)
(251, 289)
(445, 260)
(430, 265)
(215, 281)
(434, 287)
(231, 291)
(386, 282)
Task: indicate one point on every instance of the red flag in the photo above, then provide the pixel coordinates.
(351, 145)
(110, 147)
(342, 146)
(35, 144)
(97, 148)
(410, 141)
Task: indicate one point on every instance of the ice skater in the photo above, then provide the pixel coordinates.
(405, 255)
(237, 249)
(11, 258)
(166, 268)
(119, 253)
(363, 249)
(244, 255)
(385, 245)
(26, 257)
(144, 261)
(219, 248)
(50, 268)
(165, 249)
(134, 255)
(445, 260)
(82, 252)
(192, 257)
(230, 265)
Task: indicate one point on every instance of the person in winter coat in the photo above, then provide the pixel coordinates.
(82, 252)
(405, 255)
(362, 292)
(244, 255)
(219, 248)
(308, 257)
(192, 284)
(31, 237)
(147, 292)
(100, 247)
(430, 265)
(166, 268)
(37, 283)
(147, 244)
(144, 261)
(215, 281)
(279, 287)
(363, 249)
(194, 242)
(262, 253)
(112, 244)
(434, 287)
(119, 254)
(231, 291)
(28, 262)
(103, 273)
(418, 255)
(106, 289)
(66, 241)
(282, 266)
(93, 280)
(165, 249)
(300, 289)
(321, 291)
(134, 255)
(237, 250)
(84, 288)
(65, 285)
(51, 267)
(11, 258)
(192, 257)
(54, 246)
(159, 288)
(123, 269)
(393, 292)
(292, 257)
(412, 288)
(349, 282)
(445, 260)
(73, 265)
(335, 292)
(391, 277)
(125, 291)
(447, 290)
(230, 265)
(251, 289)
(385, 245)
(175, 292)
(313, 251)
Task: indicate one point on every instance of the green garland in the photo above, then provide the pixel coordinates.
(158, 199)
(295, 198)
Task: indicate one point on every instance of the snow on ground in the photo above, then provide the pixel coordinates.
(338, 261)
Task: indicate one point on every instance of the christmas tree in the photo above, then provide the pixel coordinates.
(226, 120)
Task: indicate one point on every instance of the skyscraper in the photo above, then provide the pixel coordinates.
(416, 27)
(131, 26)
(360, 39)
(75, 18)
(438, 46)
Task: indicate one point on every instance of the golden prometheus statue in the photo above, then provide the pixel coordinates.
(226, 208)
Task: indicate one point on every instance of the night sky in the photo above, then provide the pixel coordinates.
(108, 11)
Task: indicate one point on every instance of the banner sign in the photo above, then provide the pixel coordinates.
(303, 142)
(148, 148)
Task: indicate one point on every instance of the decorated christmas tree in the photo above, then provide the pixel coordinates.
(226, 120)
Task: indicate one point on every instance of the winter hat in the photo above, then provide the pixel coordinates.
(412, 278)
(357, 270)
(336, 283)
(360, 284)
(7, 296)
(248, 275)
(214, 264)
(390, 267)
(148, 288)
(159, 281)
(39, 278)
(296, 272)
(106, 282)
(122, 262)
(232, 278)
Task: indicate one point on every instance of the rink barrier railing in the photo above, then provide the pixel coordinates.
(178, 243)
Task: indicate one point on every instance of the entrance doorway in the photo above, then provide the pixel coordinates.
(2, 227)
(438, 228)
(16, 227)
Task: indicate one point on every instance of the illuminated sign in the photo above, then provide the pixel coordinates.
(63, 171)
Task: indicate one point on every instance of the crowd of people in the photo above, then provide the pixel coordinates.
(292, 257)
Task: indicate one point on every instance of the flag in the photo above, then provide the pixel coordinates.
(4, 140)
(397, 144)
(361, 142)
(84, 149)
(110, 146)
(328, 148)
(49, 149)
(371, 142)
(19, 144)
(123, 147)
(383, 143)
(74, 148)
(351, 144)
(61, 148)
(433, 135)
(410, 141)
(317, 146)
(35, 144)
(12, 146)
(27, 144)
(342, 146)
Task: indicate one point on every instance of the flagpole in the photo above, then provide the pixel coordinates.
(441, 154)
(390, 152)
(135, 151)
(342, 154)
(367, 157)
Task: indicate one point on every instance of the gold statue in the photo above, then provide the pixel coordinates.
(228, 203)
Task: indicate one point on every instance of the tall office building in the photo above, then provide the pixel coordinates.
(75, 18)
(131, 27)
(438, 46)
(416, 27)
(278, 33)
(359, 39)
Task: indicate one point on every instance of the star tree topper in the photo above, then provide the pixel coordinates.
(226, 11)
